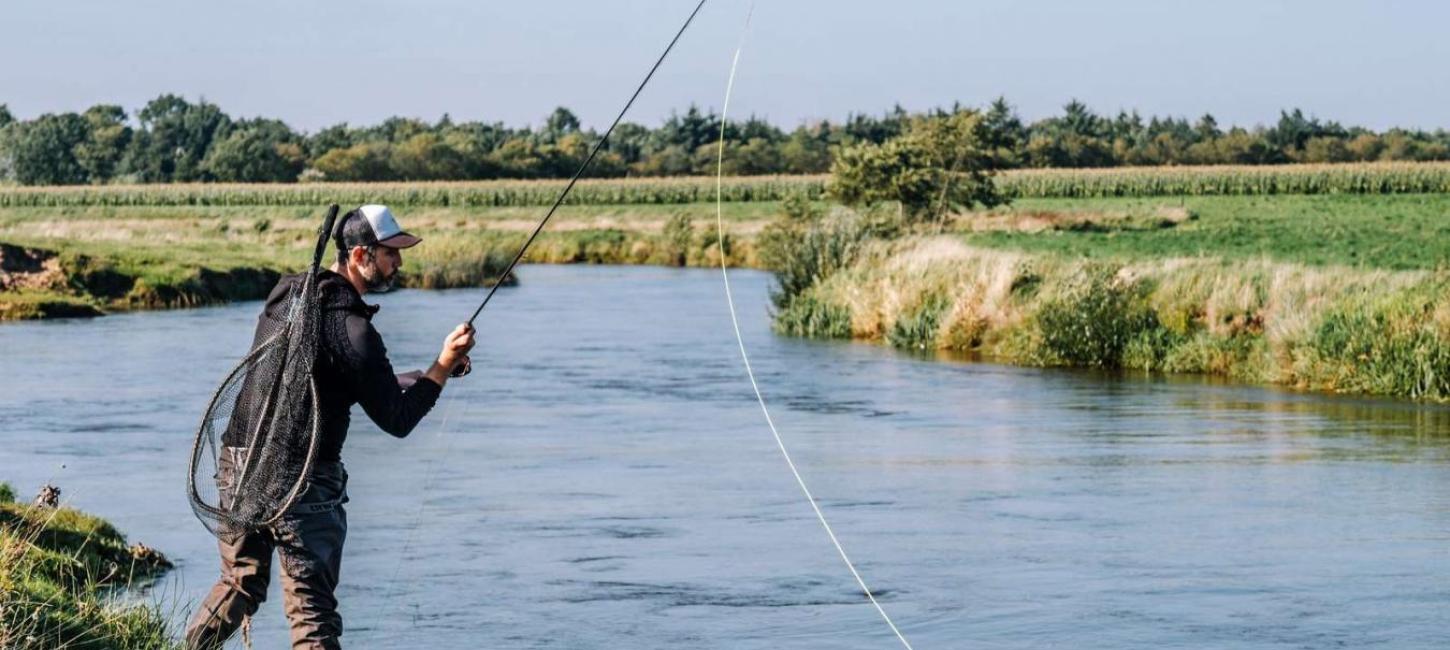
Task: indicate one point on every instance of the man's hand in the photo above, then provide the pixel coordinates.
(454, 357)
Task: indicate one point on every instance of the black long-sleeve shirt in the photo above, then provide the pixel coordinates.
(352, 365)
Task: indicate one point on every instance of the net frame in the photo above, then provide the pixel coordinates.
(289, 414)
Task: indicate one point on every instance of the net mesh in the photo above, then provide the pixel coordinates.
(258, 437)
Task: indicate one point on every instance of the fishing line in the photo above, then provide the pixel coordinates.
(563, 194)
(592, 153)
(745, 357)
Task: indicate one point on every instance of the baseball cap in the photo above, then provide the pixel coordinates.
(373, 225)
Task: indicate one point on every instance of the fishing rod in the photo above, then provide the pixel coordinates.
(580, 172)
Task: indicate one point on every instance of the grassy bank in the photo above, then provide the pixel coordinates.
(60, 572)
(1321, 327)
(108, 258)
(143, 247)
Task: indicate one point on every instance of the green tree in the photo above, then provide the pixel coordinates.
(687, 132)
(174, 138)
(43, 151)
(560, 123)
(1325, 149)
(1366, 147)
(807, 150)
(337, 136)
(365, 161)
(426, 157)
(101, 154)
(257, 151)
(753, 157)
(939, 164)
(1003, 132)
(1069, 150)
(1207, 128)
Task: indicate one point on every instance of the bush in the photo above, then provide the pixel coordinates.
(803, 254)
(1388, 345)
(679, 234)
(810, 317)
(919, 330)
(1094, 318)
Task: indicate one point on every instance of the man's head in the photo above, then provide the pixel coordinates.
(369, 241)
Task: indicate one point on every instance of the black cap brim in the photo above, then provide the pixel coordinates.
(401, 240)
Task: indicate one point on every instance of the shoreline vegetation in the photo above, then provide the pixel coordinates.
(63, 574)
(1326, 277)
(1329, 328)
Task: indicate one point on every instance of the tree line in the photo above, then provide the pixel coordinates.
(173, 140)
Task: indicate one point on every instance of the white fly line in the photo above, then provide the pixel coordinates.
(745, 356)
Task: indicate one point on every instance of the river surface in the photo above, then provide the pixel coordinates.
(605, 479)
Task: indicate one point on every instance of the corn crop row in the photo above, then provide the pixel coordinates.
(477, 193)
(1355, 178)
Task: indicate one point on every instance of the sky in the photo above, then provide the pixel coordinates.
(313, 63)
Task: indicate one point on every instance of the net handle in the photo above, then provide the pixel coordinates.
(323, 236)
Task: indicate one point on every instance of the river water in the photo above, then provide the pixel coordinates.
(604, 479)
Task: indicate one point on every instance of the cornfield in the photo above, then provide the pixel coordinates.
(1238, 180)
(1354, 178)
(459, 194)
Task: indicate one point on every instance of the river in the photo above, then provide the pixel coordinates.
(604, 479)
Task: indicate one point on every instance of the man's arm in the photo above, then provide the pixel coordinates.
(394, 408)
(406, 379)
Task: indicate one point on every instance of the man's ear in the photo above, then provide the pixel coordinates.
(357, 255)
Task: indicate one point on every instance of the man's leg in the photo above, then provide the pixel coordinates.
(309, 548)
(246, 568)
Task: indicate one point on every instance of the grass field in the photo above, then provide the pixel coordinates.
(1399, 232)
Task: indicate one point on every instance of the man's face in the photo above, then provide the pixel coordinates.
(379, 268)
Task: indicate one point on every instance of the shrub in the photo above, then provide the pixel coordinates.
(811, 317)
(1091, 322)
(1385, 344)
(679, 234)
(919, 330)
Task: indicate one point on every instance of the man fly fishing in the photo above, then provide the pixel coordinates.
(351, 367)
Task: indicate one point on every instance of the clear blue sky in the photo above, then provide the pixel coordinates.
(313, 63)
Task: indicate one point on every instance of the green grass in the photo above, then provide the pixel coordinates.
(60, 570)
(33, 304)
(130, 257)
(1400, 232)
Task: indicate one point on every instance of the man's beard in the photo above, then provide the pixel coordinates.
(375, 281)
